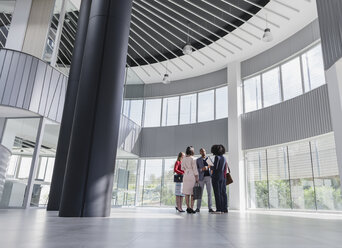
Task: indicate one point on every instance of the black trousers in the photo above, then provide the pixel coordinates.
(221, 200)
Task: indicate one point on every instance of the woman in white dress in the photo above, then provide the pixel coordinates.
(190, 178)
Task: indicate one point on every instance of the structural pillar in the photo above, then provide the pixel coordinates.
(88, 182)
(69, 110)
(17, 31)
(330, 23)
(235, 158)
(334, 80)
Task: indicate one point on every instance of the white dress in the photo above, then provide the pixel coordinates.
(190, 171)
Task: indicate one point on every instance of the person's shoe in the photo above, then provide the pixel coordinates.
(217, 212)
(197, 210)
(193, 211)
(211, 210)
(189, 210)
(181, 210)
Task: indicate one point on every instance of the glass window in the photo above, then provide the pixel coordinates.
(42, 168)
(271, 87)
(168, 187)
(170, 111)
(132, 167)
(135, 113)
(140, 186)
(188, 109)
(257, 179)
(302, 185)
(49, 169)
(120, 182)
(278, 175)
(13, 166)
(326, 174)
(133, 110)
(152, 182)
(25, 166)
(313, 68)
(206, 106)
(125, 108)
(292, 79)
(252, 94)
(152, 113)
(221, 102)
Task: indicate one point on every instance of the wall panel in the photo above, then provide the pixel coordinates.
(330, 22)
(302, 117)
(178, 87)
(169, 141)
(29, 83)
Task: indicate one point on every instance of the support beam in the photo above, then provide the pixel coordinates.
(334, 80)
(38, 27)
(34, 164)
(237, 194)
(87, 190)
(16, 34)
(68, 113)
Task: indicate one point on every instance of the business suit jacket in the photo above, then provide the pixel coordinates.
(200, 166)
(219, 168)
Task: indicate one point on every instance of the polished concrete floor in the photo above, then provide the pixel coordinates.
(163, 228)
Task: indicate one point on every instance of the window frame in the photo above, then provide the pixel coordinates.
(279, 65)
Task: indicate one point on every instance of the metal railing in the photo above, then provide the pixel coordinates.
(5, 22)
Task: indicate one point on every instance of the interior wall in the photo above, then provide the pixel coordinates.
(330, 20)
(169, 141)
(299, 118)
(178, 87)
(38, 27)
(294, 44)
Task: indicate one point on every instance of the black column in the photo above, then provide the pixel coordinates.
(89, 174)
(69, 109)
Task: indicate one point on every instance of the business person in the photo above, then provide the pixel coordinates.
(219, 179)
(179, 186)
(204, 177)
(190, 178)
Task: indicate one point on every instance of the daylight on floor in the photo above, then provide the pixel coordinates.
(170, 123)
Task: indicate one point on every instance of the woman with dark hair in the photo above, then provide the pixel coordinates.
(219, 178)
(179, 186)
(190, 178)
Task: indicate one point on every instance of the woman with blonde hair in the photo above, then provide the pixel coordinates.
(190, 178)
(179, 185)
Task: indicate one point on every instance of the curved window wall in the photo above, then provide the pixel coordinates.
(288, 80)
(178, 110)
(146, 182)
(302, 175)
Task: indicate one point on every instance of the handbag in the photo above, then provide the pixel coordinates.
(178, 178)
(197, 192)
(229, 179)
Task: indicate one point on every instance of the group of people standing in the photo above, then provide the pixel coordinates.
(205, 172)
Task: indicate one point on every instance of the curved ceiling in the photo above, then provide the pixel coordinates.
(220, 31)
(160, 29)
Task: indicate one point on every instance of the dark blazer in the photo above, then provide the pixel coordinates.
(200, 166)
(219, 168)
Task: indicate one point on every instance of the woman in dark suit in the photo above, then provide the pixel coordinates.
(219, 179)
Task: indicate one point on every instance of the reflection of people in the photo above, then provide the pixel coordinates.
(204, 178)
(179, 186)
(219, 178)
(190, 178)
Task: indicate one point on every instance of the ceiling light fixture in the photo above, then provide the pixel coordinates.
(187, 49)
(267, 37)
(166, 78)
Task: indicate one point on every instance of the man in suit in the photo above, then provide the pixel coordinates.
(203, 163)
